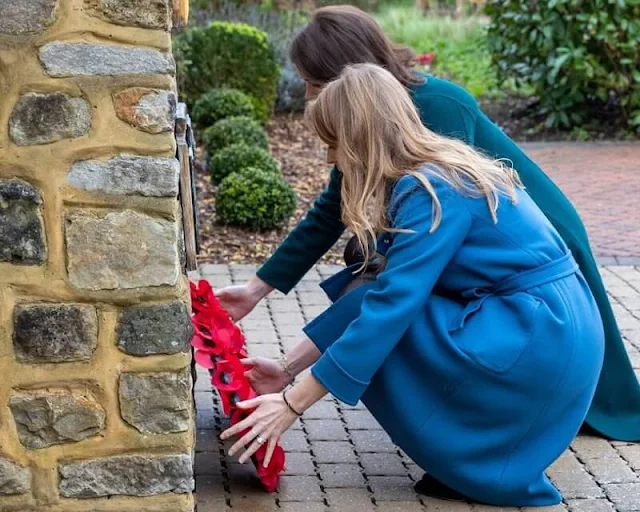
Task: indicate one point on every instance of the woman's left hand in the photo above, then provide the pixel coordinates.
(271, 418)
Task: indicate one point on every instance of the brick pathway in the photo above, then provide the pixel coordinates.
(339, 460)
(603, 182)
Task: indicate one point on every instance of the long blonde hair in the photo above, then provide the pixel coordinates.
(368, 117)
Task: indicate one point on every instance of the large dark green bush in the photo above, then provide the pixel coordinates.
(580, 56)
(255, 199)
(235, 130)
(218, 104)
(234, 55)
(238, 157)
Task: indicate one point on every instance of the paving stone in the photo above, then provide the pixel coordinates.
(294, 441)
(611, 471)
(392, 488)
(288, 322)
(376, 441)
(300, 488)
(210, 494)
(333, 452)
(14, 479)
(322, 410)
(44, 118)
(270, 350)
(631, 454)
(258, 337)
(601, 505)
(62, 60)
(313, 299)
(400, 506)
(625, 497)
(341, 475)
(49, 417)
(127, 175)
(302, 507)
(207, 441)
(385, 464)
(22, 239)
(588, 447)
(285, 307)
(291, 331)
(349, 500)
(300, 464)
(325, 430)
(360, 420)
(257, 500)
(577, 484)
(433, 505)
(208, 463)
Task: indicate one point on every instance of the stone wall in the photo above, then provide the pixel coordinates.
(95, 391)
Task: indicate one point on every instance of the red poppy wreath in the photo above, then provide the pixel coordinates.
(219, 346)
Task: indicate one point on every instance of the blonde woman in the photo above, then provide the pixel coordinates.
(477, 344)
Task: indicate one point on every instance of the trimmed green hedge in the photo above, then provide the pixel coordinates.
(235, 130)
(255, 199)
(238, 157)
(231, 55)
(217, 104)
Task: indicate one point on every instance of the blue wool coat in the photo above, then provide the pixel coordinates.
(478, 348)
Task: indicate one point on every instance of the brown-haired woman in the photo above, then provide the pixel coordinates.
(342, 35)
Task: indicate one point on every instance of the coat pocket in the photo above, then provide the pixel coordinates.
(495, 330)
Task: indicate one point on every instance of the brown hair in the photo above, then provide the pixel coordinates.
(340, 35)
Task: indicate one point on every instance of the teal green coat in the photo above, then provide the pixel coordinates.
(449, 110)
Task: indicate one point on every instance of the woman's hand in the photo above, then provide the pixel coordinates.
(271, 418)
(266, 375)
(239, 301)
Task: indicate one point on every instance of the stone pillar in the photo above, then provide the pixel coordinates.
(95, 388)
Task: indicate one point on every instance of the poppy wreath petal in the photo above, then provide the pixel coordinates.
(220, 345)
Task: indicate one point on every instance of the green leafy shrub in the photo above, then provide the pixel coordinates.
(234, 55)
(256, 199)
(237, 157)
(235, 130)
(218, 104)
(578, 56)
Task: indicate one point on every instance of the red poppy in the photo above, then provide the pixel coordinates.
(220, 346)
(426, 59)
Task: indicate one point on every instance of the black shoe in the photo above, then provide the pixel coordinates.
(431, 487)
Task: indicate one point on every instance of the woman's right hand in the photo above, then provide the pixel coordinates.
(240, 300)
(266, 375)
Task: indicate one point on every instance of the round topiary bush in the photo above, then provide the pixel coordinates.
(255, 199)
(225, 54)
(238, 157)
(235, 130)
(217, 104)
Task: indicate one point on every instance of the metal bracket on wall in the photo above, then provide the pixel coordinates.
(186, 147)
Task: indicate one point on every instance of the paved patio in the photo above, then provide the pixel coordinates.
(339, 460)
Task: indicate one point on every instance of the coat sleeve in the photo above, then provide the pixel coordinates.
(415, 261)
(308, 242)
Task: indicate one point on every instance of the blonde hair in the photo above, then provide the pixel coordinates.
(368, 117)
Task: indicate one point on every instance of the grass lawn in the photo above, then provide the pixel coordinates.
(459, 44)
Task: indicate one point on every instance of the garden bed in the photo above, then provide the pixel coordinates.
(303, 160)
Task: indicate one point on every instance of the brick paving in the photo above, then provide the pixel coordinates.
(603, 182)
(338, 458)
